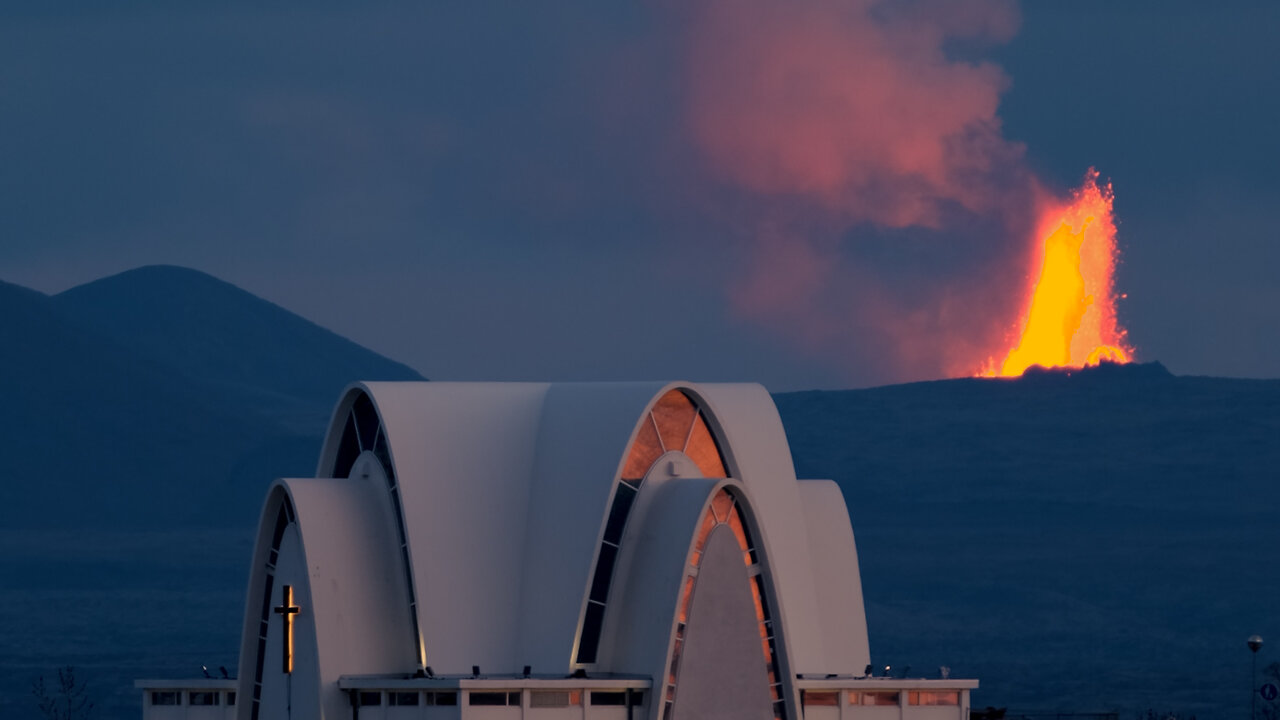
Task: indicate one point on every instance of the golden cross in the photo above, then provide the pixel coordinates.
(287, 610)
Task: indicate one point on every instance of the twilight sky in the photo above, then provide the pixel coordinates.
(812, 194)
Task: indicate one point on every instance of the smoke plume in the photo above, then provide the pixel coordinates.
(882, 200)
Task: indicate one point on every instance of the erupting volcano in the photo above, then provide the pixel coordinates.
(1070, 316)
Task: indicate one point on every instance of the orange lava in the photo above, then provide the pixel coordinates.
(1070, 316)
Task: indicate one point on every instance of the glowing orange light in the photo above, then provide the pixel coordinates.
(1070, 315)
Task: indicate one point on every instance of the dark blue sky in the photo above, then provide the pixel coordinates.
(509, 191)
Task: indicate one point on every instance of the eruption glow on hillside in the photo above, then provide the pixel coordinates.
(882, 204)
(1070, 315)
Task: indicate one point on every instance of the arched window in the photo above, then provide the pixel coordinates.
(725, 510)
(673, 423)
(363, 431)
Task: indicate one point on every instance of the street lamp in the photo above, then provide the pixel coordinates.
(1255, 644)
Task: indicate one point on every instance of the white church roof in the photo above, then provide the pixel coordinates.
(480, 531)
(505, 491)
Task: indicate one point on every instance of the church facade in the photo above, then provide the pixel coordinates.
(594, 550)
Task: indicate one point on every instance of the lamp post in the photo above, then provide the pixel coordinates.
(1255, 644)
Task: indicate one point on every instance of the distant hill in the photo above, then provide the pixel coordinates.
(162, 395)
(1092, 540)
(226, 340)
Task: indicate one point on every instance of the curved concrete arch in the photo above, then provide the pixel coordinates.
(470, 521)
(341, 563)
(651, 572)
(584, 432)
(643, 422)
(524, 475)
(439, 434)
(837, 578)
(276, 517)
(645, 636)
(346, 429)
(758, 442)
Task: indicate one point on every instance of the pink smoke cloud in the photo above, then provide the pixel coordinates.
(832, 116)
(864, 116)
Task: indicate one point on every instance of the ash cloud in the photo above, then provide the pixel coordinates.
(885, 215)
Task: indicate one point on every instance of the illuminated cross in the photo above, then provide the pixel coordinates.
(287, 610)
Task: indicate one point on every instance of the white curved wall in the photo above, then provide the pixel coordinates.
(650, 575)
(463, 455)
(277, 497)
(278, 697)
(505, 491)
(837, 580)
(339, 555)
(582, 443)
(362, 624)
(759, 449)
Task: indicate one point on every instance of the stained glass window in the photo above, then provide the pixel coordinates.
(674, 423)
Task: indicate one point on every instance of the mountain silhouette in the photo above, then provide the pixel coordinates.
(1079, 540)
(162, 396)
(225, 339)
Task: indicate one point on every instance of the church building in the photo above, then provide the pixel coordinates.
(621, 551)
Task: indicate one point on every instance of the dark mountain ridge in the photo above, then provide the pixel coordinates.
(141, 398)
(223, 338)
(1083, 540)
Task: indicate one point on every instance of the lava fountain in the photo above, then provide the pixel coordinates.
(1069, 318)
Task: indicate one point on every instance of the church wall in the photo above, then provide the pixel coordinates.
(463, 453)
(837, 580)
(191, 699)
(417, 712)
(357, 585)
(582, 442)
(871, 713)
(650, 575)
(298, 691)
(277, 515)
(524, 699)
(865, 698)
(506, 490)
(570, 713)
(722, 675)
(339, 557)
(540, 464)
(758, 446)
(640, 637)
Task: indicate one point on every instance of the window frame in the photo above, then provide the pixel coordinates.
(676, 403)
